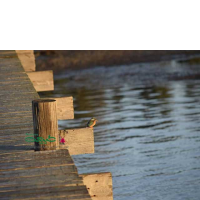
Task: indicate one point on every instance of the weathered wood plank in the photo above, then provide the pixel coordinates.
(42, 182)
(77, 141)
(63, 197)
(31, 179)
(65, 108)
(99, 185)
(45, 171)
(51, 191)
(42, 80)
(58, 171)
(36, 155)
(30, 182)
(27, 59)
(31, 158)
(33, 164)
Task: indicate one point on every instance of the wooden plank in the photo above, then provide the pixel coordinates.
(42, 182)
(31, 155)
(33, 164)
(99, 185)
(31, 179)
(65, 108)
(77, 141)
(42, 80)
(27, 59)
(63, 197)
(35, 155)
(39, 192)
(38, 172)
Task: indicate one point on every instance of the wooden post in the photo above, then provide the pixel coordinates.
(65, 108)
(45, 124)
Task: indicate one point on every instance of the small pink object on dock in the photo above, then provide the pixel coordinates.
(62, 141)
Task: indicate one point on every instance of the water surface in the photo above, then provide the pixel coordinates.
(148, 133)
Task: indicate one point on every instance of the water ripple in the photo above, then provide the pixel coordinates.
(148, 129)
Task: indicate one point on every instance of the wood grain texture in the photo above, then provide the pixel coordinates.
(99, 185)
(27, 59)
(24, 173)
(45, 124)
(78, 141)
(53, 175)
(15, 103)
(65, 108)
(42, 80)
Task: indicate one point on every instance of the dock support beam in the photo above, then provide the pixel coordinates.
(45, 124)
(99, 185)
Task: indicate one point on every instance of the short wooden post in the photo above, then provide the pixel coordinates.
(45, 124)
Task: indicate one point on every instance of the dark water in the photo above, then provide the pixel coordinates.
(148, 133)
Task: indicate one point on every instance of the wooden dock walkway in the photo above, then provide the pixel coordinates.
(24, 173)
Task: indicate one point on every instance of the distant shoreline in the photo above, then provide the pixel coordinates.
(63, 60)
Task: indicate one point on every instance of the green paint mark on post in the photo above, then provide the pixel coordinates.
(41, 140)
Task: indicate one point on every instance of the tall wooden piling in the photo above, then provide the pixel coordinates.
(45, 124)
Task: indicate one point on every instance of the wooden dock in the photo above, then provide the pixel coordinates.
(29, 174)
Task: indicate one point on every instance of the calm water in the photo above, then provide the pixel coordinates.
(148, 133)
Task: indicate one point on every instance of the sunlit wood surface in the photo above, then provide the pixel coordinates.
(24, 173)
